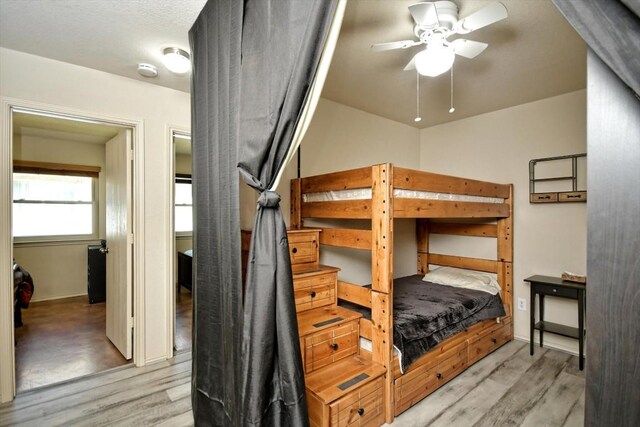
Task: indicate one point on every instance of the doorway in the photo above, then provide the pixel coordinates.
(182, 227)
(72, 184)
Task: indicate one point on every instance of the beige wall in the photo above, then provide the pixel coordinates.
(41, 80)
(340, 138)
(548, 238)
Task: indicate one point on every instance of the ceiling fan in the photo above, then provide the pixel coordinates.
(435, 22)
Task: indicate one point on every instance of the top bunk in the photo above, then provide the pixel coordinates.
(356, 193)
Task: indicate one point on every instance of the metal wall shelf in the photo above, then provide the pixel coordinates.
(556, 196)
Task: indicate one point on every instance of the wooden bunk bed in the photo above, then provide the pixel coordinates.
(386, 193)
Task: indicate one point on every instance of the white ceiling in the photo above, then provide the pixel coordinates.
(533, 54)
(108, 35)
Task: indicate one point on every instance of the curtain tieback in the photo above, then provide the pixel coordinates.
(269, 199)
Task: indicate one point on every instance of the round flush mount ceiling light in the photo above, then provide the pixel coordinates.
(147, 70)
(176, 60)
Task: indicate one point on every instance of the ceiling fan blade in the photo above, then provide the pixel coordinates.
(468, 48)
(486, 16)
(403, 44)
(425, 14)
(411, 65)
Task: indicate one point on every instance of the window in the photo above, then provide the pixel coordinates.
(53, 204)
(184, 205)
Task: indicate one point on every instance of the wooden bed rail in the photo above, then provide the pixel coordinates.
(346, 238)
(410, 179)
(352, 209)
(355, 294)
(464, 229)
(343, 180)
(478, 264)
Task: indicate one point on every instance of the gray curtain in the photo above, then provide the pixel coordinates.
(282, 42)
(217, 291)
(253, 67)
(612, 29)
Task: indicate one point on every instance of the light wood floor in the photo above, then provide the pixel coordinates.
(65, 339)
(507, 388)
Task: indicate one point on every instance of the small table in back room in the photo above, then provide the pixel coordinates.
(555, 286)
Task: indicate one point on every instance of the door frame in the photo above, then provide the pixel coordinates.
(7, 346)
(170, 132)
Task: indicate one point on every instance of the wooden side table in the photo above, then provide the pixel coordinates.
(556, 287)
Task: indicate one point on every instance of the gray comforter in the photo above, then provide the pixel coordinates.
(425, 314)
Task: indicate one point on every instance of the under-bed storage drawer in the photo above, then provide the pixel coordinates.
(361, 407)
(304, 249)
(418, 383)
(315, 290)
(327, 346)
(489, 340)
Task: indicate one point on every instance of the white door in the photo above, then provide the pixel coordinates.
(119, 242)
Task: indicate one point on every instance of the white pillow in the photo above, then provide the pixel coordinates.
(461, 278)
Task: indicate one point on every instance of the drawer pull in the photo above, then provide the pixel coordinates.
(313, 294)
(439, 376)
(361, 411)
(493, 340)
(294, 250)
(555, 290)
(334, 346)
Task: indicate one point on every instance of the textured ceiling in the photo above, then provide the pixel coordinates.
(108, 35)
(533, 54)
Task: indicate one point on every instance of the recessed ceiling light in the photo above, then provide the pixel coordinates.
(176, 60)
(147, 70)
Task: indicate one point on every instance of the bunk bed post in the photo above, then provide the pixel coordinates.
(505, 254)
(296, 200)
(422, 235)
(505, 232)
(382, 277)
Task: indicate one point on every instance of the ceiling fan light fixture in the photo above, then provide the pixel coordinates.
(436, 59)
(176, 60)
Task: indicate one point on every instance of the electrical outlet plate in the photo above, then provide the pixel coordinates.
(522, 304)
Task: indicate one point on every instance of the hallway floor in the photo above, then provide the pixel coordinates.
(60, 340)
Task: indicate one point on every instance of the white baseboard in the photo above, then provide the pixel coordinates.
(59, 297)
(553, 346)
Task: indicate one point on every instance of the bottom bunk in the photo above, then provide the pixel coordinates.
(447, 360)
(439, 331)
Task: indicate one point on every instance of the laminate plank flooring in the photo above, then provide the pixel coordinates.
(508, 387)
(60, 340)
(184, 310)
(65, 339)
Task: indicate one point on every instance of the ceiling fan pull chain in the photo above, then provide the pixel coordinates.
(418, 118)
(452, 109)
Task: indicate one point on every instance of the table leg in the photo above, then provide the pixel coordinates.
(532, 317)
(581, 327)
(541, 316)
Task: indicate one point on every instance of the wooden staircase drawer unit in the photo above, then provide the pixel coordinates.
(315, 291)
(326, 347)
(361, 407)
(304, 248)
(488, 341)
(416, 384)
